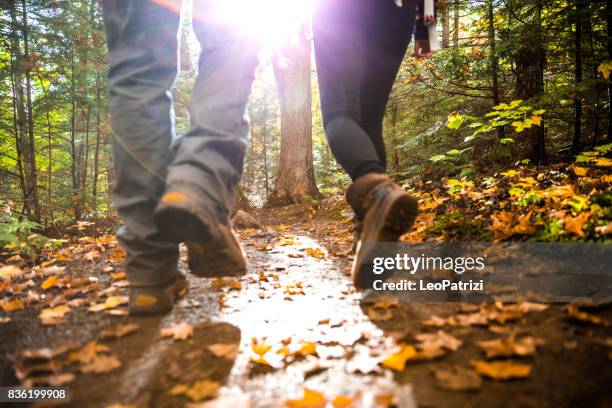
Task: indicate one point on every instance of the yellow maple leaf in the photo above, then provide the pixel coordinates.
(536, 119)
(397, 361)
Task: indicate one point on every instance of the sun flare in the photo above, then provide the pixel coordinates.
(273, 22)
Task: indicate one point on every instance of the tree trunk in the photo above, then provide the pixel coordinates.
(609, 24)
(444, 10)
(494, 61)
(31, 143)
(295, 180)
(96, 169)
(457, 24)
(530, 61)
(17, 102)
(578, 77)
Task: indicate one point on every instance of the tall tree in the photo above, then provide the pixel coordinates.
(295, 176)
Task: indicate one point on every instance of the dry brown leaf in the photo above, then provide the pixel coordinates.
(457, 378)
(198, 391)
(88, 353)
(101, 364)
(501, 370)
(224, 350)
(9, 272)
(438, 340)
(91, 256)
(576, 224)
(53, 315)
(110, 303)
(310, 399)
(181, 331)
(509, 347)
(119, 331)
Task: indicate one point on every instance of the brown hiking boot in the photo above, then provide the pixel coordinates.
(213, 248)
(156, 300)
(386, 211)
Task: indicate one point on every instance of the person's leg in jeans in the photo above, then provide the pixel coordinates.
(142, 43)
(359, 46)
(208, 159)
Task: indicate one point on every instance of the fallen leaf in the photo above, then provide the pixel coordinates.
(101, 364)
(342, 401)
(224, 350)
(580, 171)
(53, 315)
(501, 370)
(181, 331)
(12, 305)
(10, 271)
(310, 399)
(110, 303)
(48, 283)
(438, 340)
(119, 331)
(198, 391)
(397, 361)
(576, 224)
(509, 347)
(315, 252)
(457, 378)
(91, 256)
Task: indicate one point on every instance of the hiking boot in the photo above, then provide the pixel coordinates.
(156, 300)
(386, 211)
(214, 250)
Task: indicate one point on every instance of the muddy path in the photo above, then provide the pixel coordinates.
(294, 322)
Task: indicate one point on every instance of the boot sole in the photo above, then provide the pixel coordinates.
(181, 225)
(395, 217)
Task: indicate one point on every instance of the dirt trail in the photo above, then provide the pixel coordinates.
(297, 299)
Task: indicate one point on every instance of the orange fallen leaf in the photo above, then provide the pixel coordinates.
(501, 370)
(397, 361)
(342, 401)
(315, 252)
(576, 224)
(310, 399)
(11, 305)
(48, 283)
(580, 171)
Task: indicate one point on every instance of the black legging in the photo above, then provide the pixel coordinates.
(359, 46)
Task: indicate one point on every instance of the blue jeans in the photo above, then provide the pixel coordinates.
(143, 66)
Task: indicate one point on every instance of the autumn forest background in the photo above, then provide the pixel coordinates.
(516, 83)
(502, 135)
